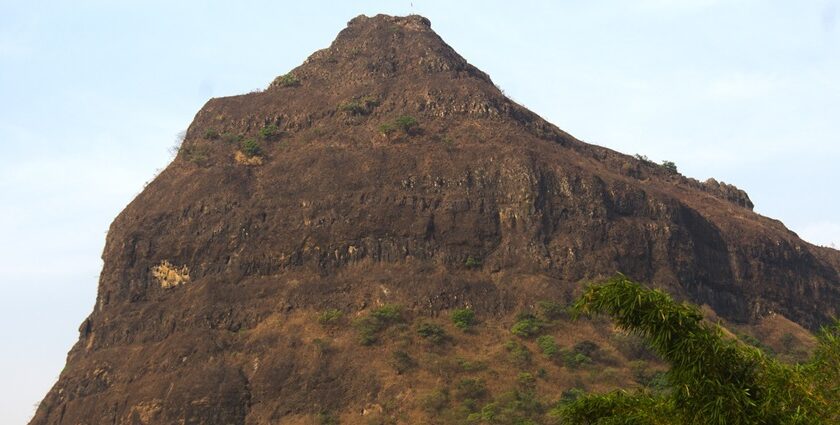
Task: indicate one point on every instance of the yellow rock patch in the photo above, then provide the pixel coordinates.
(243, 159)
(170, 276)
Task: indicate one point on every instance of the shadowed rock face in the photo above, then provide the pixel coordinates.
(214, 274)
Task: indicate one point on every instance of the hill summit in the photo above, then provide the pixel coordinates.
(379, 236)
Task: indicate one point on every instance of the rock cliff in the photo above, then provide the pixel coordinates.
(387, 170)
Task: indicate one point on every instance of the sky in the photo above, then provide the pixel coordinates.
(94, 93)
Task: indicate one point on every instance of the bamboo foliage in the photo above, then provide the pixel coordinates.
(713, 379)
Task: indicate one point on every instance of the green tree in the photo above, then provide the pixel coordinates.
(670, 166)
(713, 379)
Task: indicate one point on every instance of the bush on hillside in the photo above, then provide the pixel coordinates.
(463, 318)
(286, 80)
(250, 147)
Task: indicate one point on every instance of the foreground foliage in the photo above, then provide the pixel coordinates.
(714, 379)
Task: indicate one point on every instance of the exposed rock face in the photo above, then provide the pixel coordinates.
(337, 211)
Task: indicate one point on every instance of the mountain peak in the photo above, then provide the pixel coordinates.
(411, 22)
(383, 47)
(309, 241)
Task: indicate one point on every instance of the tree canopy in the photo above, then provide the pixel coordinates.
(713, 378)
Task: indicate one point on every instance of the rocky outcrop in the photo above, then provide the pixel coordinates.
(728, 192)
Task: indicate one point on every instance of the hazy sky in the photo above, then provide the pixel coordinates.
(93, 93)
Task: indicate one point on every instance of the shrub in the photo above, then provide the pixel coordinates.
(379, 319)
(641, 371)
(387, 129)
(388, 313)
(352, 108)
(586, 347)
(402, 362)
(470, 388)
(572, 394)
(753, 341)
(470, 366)
(363, 106)
(548, 345)
(322, 345)
(526, 326)
(463, 318)
(551, 310)
(468, 408)
(632, 347)
(436, 401)
(270, 132)
(644, 159)
(433, 333)
(608, 374)
(286, 80)
(670, 166)
(472, 262)
(325, 418)
(211, 134)
(659, 381)
(526, 380)
(647, 376)
(250, 147)
(518, 353)
(231, 137)
(369, 102)
(368, 328)
(198, 155)
(573, 360)
(517, 407)
(406, 123)
(330, 317)
(788, 341)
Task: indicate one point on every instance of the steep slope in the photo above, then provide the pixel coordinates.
(386, 170)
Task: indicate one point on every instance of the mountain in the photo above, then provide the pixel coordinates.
(300, 258)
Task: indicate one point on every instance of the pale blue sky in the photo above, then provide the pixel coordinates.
(93, 93)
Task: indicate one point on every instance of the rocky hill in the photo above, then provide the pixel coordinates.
(301, 258)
